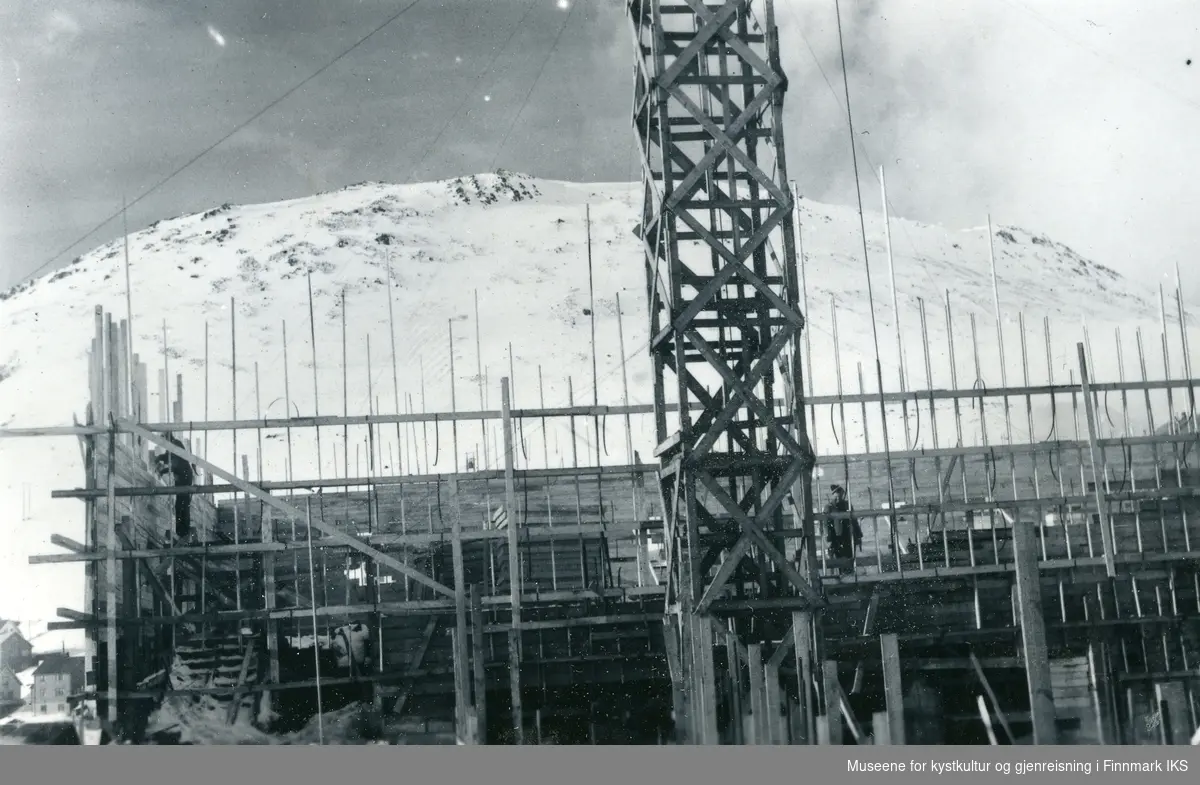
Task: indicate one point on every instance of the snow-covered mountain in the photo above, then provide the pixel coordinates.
(519, 244)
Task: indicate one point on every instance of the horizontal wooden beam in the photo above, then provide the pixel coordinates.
(529, 534)
(68, 543)
(410, 608)
(598, 411)
(396, 481)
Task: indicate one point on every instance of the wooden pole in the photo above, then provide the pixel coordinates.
(237, 534)
(110, 540)
(312, 592)
(269, 596)
(833, 711)
(514, 566)
(1106, 534)
(802, 637)
(1033, 633)
(128, 347)
(453, 402)
(758, 696)
(312, 332)
(396, 468)
(462, 681)
(483, 435)
(893, 688)
(480, 674)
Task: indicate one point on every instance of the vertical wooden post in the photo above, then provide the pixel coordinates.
(462, 684)
(893, 689)
(802, 638)
(758, 710)
(704, 700)
(737, 708)
(1176, 717)
(269, 597)
(1033, 634)
(480, 671)
(110, 536)
(514, 565)
(833, 708)
(880, 729)
(1106, 535)
(1103, 696)
(776, 732)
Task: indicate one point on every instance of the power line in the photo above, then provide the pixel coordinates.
(532, 87)
(516, 29)
(1099, 54)
(227, 136)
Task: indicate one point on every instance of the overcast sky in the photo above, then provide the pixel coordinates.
(1073, 118)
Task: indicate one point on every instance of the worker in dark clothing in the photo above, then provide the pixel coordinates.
(183, 474)
(844, 535)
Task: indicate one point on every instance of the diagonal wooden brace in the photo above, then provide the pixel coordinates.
(128, 426)
(751, 527)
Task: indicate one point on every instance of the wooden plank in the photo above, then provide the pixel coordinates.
(292, 512)
(759, 728)
(417, 659)
(514, 567)
(478, 654)
(833, 714)
(991, 694)
(110, 539)
(1173, 707)
(1106, 534)
(68, 543)
(843, 701)
(879, 729)
(462, 685)
(868, 628)
(802, 645)
(893, 688)
(1033, 635)
(235, 704)
(270, 591)
(773, 704)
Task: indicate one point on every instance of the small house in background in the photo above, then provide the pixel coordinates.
(10, 691)
(15, 651)
(53, 682)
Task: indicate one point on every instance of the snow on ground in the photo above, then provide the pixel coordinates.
(520, 245)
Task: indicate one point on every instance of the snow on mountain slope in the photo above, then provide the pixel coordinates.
(521, 244)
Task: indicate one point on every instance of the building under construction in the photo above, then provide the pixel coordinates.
(1003, 591)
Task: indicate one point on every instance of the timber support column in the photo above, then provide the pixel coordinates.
(462, 679)
(893, 688)
(833, 704)
(477, 658)
(724, 313)
(802, 642)
(1033, 633)
(514, 566)
(269, 599)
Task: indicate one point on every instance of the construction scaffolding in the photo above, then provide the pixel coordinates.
(1027, 569)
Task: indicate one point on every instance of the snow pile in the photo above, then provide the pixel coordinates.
(201, 719)
(519, 243)
(344, 726)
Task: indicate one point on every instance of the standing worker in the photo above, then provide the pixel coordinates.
(843, 534)
(183, 475)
